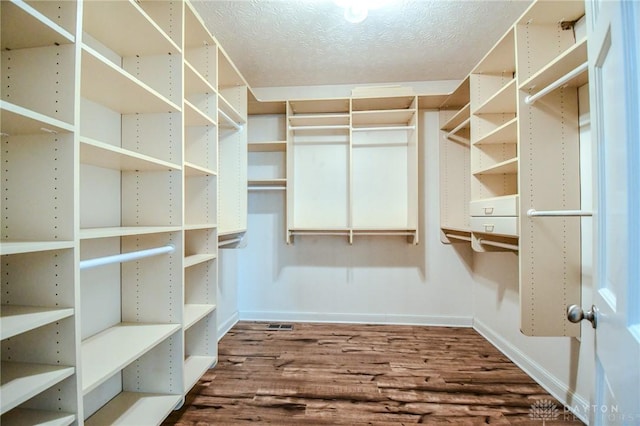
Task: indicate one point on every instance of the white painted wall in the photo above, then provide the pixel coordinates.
(377, 279)
(228, 283)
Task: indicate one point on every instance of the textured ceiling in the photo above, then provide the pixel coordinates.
(305, 42)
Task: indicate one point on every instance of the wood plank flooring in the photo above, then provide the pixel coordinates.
(346, 374)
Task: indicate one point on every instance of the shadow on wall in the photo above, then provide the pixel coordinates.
(326, 251)
(498, 273)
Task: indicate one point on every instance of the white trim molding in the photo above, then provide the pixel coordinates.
(548, 381)
(431, 320)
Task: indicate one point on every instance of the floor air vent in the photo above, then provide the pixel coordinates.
(285, 327)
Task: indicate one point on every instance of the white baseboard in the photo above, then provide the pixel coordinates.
(357, 318)
(226, 326)
(549, 382)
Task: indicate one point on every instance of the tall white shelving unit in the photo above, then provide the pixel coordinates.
(524, 178)
(352, 167)
(110, 126)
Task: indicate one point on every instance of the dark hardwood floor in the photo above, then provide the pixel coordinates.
(346, 374)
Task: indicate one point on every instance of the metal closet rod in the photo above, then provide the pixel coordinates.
(458, 237)
(559, 82)
(458, 128)
(557, 213)
(229, 120)
(126, 257)
(229, 241)
(513, 247)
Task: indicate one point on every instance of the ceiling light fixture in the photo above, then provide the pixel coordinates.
(356, 11)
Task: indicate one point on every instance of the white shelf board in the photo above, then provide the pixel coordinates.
(194, 82)
(22, 381)
(268, 182)
(501, 58)
(42, 31)
(113, 157)
(320, 106)
(125, 28)
(386, 117)
(195, 312)
(109, 351)
(196, 259)
(191, 169)
(194, 367)
(25, 416)
(267, 146)
(109, 85)
(507, 133)
(197, 226)
(503, 101)
(123, 231)
(569, 60)
(193, 116)
(18, 247)
(135, 409)
(551, 13)
(195, 32)
(505, 167)
(16, 120)
(319, 120)
(457, 119)
(19, 319)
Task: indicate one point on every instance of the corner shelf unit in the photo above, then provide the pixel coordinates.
(347, 157)
(524, 153)
(494, 150)
(267, 154)
(110, 116)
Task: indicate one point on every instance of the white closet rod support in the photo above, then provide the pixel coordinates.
(557, 213)
(229, 120)
(529, 100)
(507, 246)
(125, 257)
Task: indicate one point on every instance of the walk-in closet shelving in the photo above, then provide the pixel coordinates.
(455, 170)
(201, 201)
(38, 127)
(232, 148)
(494, 148)
(345, 158)
(384, 136)
(131, 102)
(318, 163)
(111, 130)
(551, 45)
(267, 156)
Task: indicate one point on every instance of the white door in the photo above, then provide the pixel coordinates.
(614, 79)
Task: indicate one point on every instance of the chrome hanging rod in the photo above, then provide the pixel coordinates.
(229, 120)
(529, 100)
(125, 257)
(557, 213)
(507, 246)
